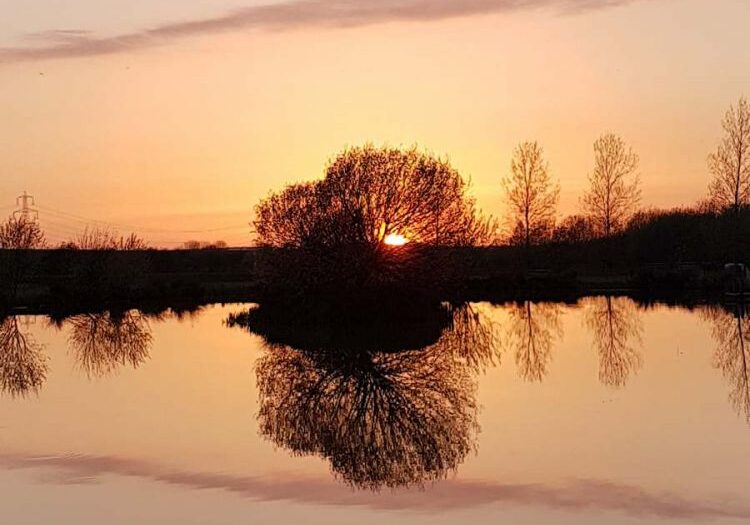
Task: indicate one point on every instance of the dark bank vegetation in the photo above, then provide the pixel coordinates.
(680, 250)
(101, 268)
(659, 253)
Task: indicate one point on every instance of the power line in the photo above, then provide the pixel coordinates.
(61, 226)
(61, 232)
(88, 220)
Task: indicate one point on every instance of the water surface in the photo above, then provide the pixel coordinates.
(603, 411)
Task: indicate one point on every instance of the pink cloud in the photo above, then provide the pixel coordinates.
(287, 15)
(578, 495)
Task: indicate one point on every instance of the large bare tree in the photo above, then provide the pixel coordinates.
(369, 193)
(335, 232)
(530, 194)
(730, 163)
(614, 193)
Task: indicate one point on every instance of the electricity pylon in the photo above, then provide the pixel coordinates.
(25, 202)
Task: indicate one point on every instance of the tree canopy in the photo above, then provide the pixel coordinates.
(343, 222)
(369, 193)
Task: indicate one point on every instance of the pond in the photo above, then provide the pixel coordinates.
(603, 411)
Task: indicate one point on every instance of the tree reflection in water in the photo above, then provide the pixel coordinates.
(103, 342)
(23, 365)
(383, 417)
(617, 330)
(532, 331)
(730, 331)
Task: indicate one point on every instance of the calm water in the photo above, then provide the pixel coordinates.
(602, 412)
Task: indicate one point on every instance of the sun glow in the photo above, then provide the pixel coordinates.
(395, 239)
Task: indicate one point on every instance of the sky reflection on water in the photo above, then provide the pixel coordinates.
(529, 412)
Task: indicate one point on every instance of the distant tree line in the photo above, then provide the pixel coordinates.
(611, 203)
(201, 245)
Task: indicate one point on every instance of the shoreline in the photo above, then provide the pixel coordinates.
(67, 280)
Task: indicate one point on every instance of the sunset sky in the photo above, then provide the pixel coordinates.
(172, 117)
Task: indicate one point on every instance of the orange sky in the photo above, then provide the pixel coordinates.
(185, 129)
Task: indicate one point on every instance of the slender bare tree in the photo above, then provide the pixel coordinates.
(730, 163)
(531, 195)
(614, 194)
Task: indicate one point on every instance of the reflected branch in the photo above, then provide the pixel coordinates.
(616, 327)
(380, 418)
(731, 333)
(533, 329)
(23, 365)
(103, 342)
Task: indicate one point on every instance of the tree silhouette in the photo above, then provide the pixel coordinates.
(21, 233)
(382, 417)
(731, 333)
(616, 327)
(614, 192)
(335, 231)
(103, 342)
(730, 163)
(533, 328)
(530, 195)
(23, 365)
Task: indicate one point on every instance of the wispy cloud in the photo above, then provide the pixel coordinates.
(582, 495)
(287, 15)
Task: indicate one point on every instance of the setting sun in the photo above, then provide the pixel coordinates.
(394, 239)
